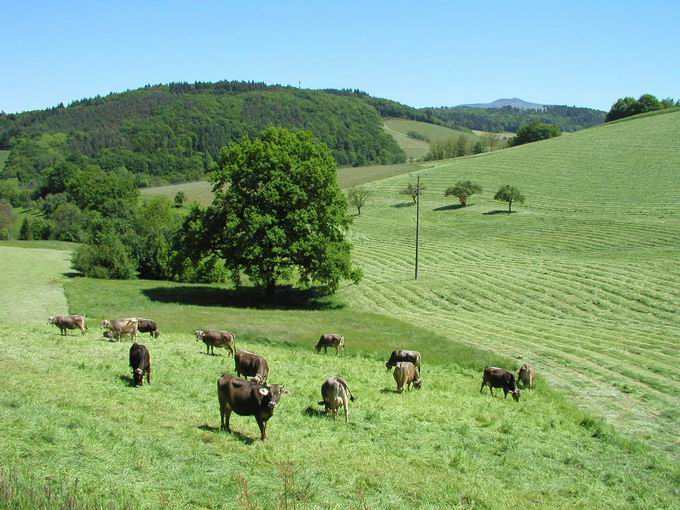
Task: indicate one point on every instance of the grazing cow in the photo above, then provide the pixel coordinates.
(148, 326)
(251, 365)
(406, 374)
(527, 375)
(121, 327)
(64, 322)
(500, 378)
(213, 338)
(330, 340)
(247, 398)
(335, 392)
(401, 355)
(140, 362)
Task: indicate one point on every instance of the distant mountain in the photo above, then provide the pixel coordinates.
(515, 102)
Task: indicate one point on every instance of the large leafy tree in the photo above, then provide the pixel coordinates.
(278, 212)
(535, 131)
(463, 190)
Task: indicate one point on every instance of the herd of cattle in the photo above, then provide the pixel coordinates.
(249, 394)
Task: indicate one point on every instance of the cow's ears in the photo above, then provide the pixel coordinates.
(284, 391)
(264, 392)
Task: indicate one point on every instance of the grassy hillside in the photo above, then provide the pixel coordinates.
(200, 192)
(415, 148)
(84, 438)
(583, 281)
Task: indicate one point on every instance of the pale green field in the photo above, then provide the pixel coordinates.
(583, 281)
(200, 192)
(413, 148)
(74, 434)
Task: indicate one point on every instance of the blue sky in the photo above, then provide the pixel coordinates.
(420, 53)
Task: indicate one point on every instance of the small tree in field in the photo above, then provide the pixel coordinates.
(463, 190)
(412, 191)
(180, 198)
(7, 219)
(509, 194)
(357, 196)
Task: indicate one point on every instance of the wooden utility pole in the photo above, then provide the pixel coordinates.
(417, 220)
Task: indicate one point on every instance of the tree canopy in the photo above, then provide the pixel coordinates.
(463, 190)
(535, 131)
(278, 213)
(509, 194)
(628, 106)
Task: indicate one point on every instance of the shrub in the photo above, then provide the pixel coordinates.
(105, 257)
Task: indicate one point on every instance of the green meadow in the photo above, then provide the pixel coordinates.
(415, 148)
(582, 281)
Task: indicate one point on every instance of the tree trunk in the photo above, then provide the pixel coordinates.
(270, 289)
(509, 206)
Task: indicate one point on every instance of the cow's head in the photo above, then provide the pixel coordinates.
(199, 334)
(138, 376)
(389, 365)
(271, 394)
(318, 347)
(105, 324)
(515, 394)
(156, 333)
(418, 383)
(50, 320)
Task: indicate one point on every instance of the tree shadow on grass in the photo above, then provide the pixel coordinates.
(450, 207)
(316, 412)
(285, 298)
(404, 204)
(497, 211)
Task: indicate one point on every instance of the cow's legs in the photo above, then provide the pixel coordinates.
(148, 376)
(226, 414)
(263, 427)
(346, 410)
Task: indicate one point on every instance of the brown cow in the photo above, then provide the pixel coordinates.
(401, 355)
(251, 365)
(140, 362)
(500, 378)
(213, 338)
(121, 327)
(335, 392)
(330, 340)
(148, 326)
(406, 374)
(527, 375)
(246, 398)
(64, 322)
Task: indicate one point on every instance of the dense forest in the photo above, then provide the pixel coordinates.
(568, 118)
(173, 133)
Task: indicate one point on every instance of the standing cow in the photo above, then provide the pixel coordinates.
(140, 362)
(406, 374)
(335, 392)
(330, 340)
(64, 322)
(213, 338)
(246, 398)
(252, 365)
(121, 327)
(148, 326)
(500, 378)
(401, 355)
(527, 375)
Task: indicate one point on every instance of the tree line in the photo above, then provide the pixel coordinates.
(628, 106)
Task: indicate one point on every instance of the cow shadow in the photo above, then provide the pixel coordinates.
(388, 390)
(217, 430)
(450, 207)
(285, 298)
(316, 412)
(127, 380)
(497, 211)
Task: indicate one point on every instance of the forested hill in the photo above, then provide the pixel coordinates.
(508, 118)
(173, 133)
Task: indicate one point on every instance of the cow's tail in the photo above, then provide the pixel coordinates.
(346, 386)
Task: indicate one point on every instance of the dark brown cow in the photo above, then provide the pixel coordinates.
(64, 322)
(500, 378)
(335, 392)
(121, 327)
(252, 365)
(406, 374)
(527, 375)
(330, 340)
(140, 362)
(148, 326)
(247, 398)
(213, 338)
(401, 355)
